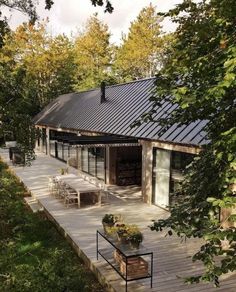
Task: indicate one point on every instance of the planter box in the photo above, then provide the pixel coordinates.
(136, 267)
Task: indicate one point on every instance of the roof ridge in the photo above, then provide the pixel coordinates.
(133, 81)
(113, 85)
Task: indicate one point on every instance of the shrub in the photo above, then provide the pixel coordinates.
(33, 255)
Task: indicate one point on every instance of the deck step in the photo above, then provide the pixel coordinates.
(33, 204)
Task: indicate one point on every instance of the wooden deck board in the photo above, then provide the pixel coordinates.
(171, 257)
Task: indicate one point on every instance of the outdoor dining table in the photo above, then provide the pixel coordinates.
(80, 186)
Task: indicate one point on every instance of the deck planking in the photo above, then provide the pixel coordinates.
(172, 259)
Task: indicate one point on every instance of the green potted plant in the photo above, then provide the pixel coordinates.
(129, 234)
(122, 231)
(135, 237)
(109, 221)
(64, 171)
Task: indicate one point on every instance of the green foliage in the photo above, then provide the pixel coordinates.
(108, 218)
(27, 7)
(93, 54)
(34, 69)
(140, 54)
(199, 75)
(33, 255)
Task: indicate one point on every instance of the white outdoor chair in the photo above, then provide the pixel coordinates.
(71, 197)
(53, 185)
(62, 186)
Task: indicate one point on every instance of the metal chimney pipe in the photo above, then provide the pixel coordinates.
(103, 91)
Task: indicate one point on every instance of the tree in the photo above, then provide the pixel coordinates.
(139, 54)
(48, 63)
(200, 75)
(93, 54)
(34, 69)
(27, 7)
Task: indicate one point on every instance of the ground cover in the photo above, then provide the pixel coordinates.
(33, 255)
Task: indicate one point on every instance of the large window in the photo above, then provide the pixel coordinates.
(93, 161)
(179, 161)
(65, 152)
(52, 148)
(73, 156)
(84, 159)
(100, 155)
(59, 150)
(44, 140)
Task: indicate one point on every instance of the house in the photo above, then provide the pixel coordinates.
(91, 131)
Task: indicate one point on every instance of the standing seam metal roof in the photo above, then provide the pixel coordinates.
(124, 104)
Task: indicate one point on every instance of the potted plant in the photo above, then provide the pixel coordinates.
(109, 221)
(122, 231)
(135, 237)
(129, 234)
(64, 170)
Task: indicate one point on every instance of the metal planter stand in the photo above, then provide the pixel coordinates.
(127, 254)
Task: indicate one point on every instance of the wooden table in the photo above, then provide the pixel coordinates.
(80, 186)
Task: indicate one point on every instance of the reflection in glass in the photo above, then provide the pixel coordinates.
(73, 156)
(92, 161)
(59, 150)
(100, 153)
(84, 159)
(52, 148)
(65, 152)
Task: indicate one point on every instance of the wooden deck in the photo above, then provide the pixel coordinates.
(171, 257)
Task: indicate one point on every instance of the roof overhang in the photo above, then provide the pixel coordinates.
(98, 141)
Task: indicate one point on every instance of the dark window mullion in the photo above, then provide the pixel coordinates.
(88, 161)
(96, 162)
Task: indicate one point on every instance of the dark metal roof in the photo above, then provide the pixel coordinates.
(124, 104)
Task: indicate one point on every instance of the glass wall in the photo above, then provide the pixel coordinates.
(93, 161)
(179, 162)
(73, 156)
(52, 148)
(100, 155)
(44, 141)
(65, 152)
(161, 177)
(168, 175)
(59, 150)
(84, 159)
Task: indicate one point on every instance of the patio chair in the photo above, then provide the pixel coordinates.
(71, 197)
(53, 185)
(62, 186)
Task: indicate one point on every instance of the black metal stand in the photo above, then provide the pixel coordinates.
(127, 254)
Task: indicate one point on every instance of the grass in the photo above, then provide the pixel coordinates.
(33, 255)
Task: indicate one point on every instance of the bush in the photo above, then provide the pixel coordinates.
(33, 255)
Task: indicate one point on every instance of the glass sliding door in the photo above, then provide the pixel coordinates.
(161, 177)
(52, 148)
(84, 159)
(65, 152)
(179, 162)
(93, 161)
(100, 154)
(73, 156)
(59, 150)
